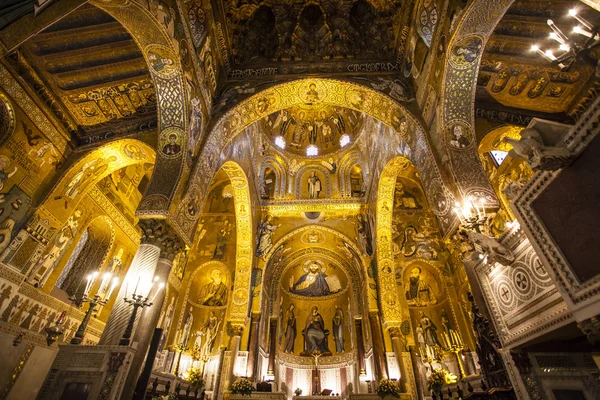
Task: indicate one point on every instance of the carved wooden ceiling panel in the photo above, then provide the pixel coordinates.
(96, 70)
(514, 78)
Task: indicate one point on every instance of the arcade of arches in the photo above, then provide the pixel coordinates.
(302, 198)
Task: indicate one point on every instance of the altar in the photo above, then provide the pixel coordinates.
(316, 397)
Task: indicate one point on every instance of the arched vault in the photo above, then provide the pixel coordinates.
(458, 94)
(167, 74)
(307, 92)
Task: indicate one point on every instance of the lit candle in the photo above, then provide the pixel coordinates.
(90, 281)
(136, 286)
(482, 201)
(557, 38)
(126, 287)
(540, 52)
(582, 21)
(160, 287)
(557, 31)
(457, 212)
(550, 55)
(115, 281)
(104, 283)
(469, 206)
(580, 31)
(61, 318)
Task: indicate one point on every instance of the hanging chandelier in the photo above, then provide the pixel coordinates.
(574, 48)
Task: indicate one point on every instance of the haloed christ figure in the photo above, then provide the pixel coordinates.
(312, 283)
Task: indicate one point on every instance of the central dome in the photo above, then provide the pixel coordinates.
(313, 130)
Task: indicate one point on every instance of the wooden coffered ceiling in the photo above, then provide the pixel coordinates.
(516, 84)
(90, 65)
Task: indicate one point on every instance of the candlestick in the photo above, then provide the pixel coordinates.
(137, 300)
(97, 299)
(104, 283)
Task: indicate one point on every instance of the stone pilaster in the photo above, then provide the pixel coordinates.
(378, 347)
(236, 332)
(253, 347)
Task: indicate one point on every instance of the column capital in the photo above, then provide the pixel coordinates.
(591, 329)
(234, 329)
(255, 317)
(159, 233)
(395, 332)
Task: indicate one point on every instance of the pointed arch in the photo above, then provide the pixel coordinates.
(299, 179)
(90, 169)
(238, 306)
(354, 265)
(277, 165)
(458, 94)
(166, 71)
(89, 255)
(349, 161)
(330, 92)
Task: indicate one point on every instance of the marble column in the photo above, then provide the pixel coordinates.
(143, 264)
(360, 347)
(272, 347)
(234, 347)
(253, 346)
(170, 246)
(378, 346)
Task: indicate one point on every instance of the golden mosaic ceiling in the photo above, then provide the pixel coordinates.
(327, 128)
(512, 75)
(94, 68)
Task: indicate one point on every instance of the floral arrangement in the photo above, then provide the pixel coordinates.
(386, 387)
(171, 396)
(242, 386)
(195, 377)
(436, 380)
(298, 392)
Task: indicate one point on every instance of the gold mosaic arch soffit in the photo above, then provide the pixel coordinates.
(238, 306)
(315, 92)
(311, 227)
(167, 74)
(356, 269)
(391, 309)
(308, 92)
(83, 175)
(463, 58)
